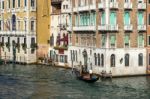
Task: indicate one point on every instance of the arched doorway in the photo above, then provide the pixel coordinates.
(85, 57)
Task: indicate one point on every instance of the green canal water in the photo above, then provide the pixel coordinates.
(42, 82)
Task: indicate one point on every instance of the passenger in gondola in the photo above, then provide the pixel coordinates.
(90, 71)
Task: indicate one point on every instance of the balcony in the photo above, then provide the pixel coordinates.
(141, 27)
(93, 7)
(128, 5)
(83, 8)
(2, 10)
(141, 6)
(8, 10)
(128, 27)
(102, 27)
(101, 5)
(113, 5)
(33, 8)
(75, 9)
(113, 27)
(69, 10)
(69, 28)
(56, 2)
(84, 28)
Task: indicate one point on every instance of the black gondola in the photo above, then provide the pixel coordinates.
(86, 76)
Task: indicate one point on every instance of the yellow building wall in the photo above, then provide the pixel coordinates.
(43, 27)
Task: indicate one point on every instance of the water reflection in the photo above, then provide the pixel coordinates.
(41, 82)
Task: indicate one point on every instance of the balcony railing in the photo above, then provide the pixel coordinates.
(102, 27)
(93, 7)
(113, 27)
(83, 8)
(69, 28)
(107, 27)
(14, 33)
(55, 2)
(101, 5)
(141, 27)
(128, 5)
(32, 8)
(69, 10)
(113, 5)
(128, 27)
(75, 9)
(141, 6)
(84, 28)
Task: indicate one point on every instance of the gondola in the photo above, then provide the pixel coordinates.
(86, 77)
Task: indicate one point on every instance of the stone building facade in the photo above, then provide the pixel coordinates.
(109, 35)
(21, 29)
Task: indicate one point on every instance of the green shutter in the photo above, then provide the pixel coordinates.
(141, 40)
(126, 39)
(88, 19)
(140, 18)
(103, 18)
(76, 22)
(113, 39)
(91, 18)
(112, 18)
(103, 40)
(126, 18)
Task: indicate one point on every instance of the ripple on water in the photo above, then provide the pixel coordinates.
(41, 82)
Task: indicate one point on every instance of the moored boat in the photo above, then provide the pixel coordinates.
(90, 78)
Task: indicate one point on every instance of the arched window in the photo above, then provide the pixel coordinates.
(13, 22)
(140, 59)
(112, 60)
(102, 60)
(99, 60)
(127, 57)
(95, 57)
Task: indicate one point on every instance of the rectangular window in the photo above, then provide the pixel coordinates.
(25, 25)
(71, 55)
(76, 20)
(148, 40)
(141, 40)
(9, 3)
(103, 40)
(3, 6)
(18, 42)
(13, 4)
(24, 41)
(149, 19)
(18, 3)
(3, 40)
(32, 25)
(126, 41)
(32, 3)
(18, 25)
(0, 25)
(112, 40)
(149, 58)
(126, 18)
(113, 18)
(32, 40)
(103, 18)
(25, 3)
(140, 18)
